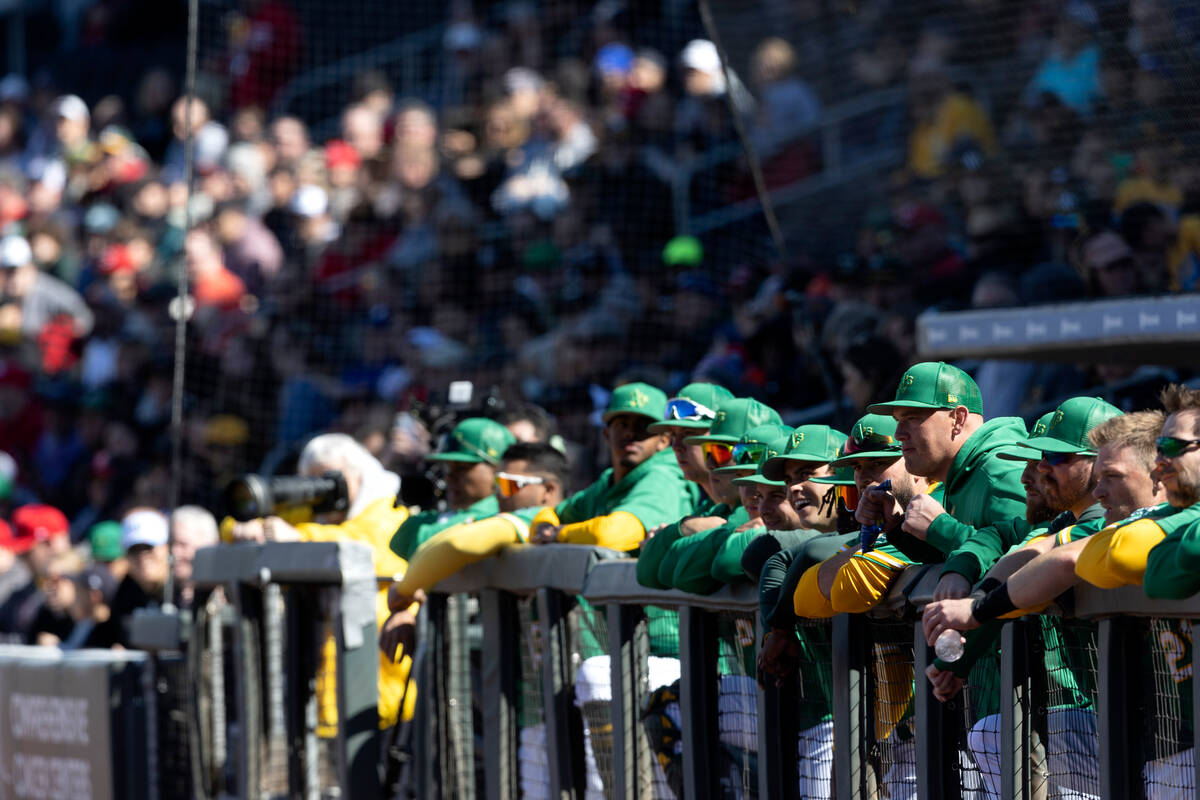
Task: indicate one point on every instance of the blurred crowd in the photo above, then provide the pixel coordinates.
(517, 223)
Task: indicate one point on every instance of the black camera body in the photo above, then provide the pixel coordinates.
(253, 496)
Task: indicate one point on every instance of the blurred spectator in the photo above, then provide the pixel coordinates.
(1108, 266)
(1071, 70)
(37, 536)
(144, 533)
(213, 284)
(943, 118)
(787, 105)
(35, 303)
(192, 528)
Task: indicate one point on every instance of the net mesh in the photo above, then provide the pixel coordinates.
(737, 704)
(594, 694)
(891, 749)
(533, 761)
(979, 754)
(1072, 744)
(1170, 756)
(814, 765)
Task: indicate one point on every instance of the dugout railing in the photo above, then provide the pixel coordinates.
(1126, 704)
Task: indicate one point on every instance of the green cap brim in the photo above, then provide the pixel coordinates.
(1048, 444)
(728, 468)
(844, 460)
(886, 408)
(607, 415)
(773, 468)
(719, 439)
(690, 424)
(831, 481)
(462, 458)
(1017, 452)
(756, 480)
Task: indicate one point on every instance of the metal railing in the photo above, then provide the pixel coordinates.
(1124, 732)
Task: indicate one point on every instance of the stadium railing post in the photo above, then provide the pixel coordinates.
(937, 778)
(1018, 706)
(1120, 675)
(247, 601)
(624, 665)
(698, 701)
(357, 695)
(778, 733)
(501, 670)
(564, 725)
(849, 706)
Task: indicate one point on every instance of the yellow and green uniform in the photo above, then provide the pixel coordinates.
(1118, 555)
(618, 514)
(661, 548)
(397, 697)
(688, 563)
(1173, 566)
(420, 528)
(448, 551)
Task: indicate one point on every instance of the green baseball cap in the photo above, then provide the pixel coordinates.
(734, 417)
(843, 474)
(474, 440)
(933, 384)
(1067, 431)
(757, 478)
(1018, 451)
(771, 437)
(105, 538)
(873, 436)
(636, 398)
(704, 398)
(819, 443)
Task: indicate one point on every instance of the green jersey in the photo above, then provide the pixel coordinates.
(654, 491)
(420, 528)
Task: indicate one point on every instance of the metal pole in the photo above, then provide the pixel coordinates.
(698, 702)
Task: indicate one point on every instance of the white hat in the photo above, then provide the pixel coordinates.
(310, 201)
(145, 526)
(71, 106)
(702, 56)
(14, 252)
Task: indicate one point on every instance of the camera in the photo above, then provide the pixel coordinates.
(253, 496)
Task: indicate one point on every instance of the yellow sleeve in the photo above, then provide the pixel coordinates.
(619, 530)
(808, 600)
(374, 526)
(862, 582)
(1116, 556)
(450, 550)
(546, 515)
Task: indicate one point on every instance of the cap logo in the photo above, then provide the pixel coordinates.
(866, 432)
(797, 437)
(1058, 415)
(1038, 429)
(952, 398)
(906, 383)
(638, 399)
(720, 416)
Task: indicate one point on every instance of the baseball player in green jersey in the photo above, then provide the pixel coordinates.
(690, 413)
(470, 453)
(944, 438)
(1059, 475)
(644, 487)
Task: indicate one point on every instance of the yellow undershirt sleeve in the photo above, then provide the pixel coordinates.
(860, 585)
(1117, 556)
(619, 530)
(450, 550)
(808, 600)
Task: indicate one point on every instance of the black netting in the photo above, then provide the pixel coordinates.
(737, 704)
(1169, 770)
(1072, 744)
(891, 745)
(594, 694)
(814, 752)
(532, 758)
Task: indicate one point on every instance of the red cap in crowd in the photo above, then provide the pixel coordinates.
(32, 524)
(341, 154)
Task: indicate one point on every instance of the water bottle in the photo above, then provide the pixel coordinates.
(949, 646)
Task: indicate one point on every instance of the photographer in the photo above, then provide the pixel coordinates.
(372, 517)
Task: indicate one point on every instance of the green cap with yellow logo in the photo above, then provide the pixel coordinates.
(636, 398)
(1019, 452)
(933, 384)
(755, 446)
(757, 478)
(734, 418)
(695, 407)
(474, 440)
(873, 436)
(843, 474)
(819, 443)
(1067, 432)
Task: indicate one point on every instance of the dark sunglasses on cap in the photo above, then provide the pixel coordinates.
(719, 452)
(682, 408)
(748, 454)
(1172, 447)
(509, 483)
(1056, 459)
